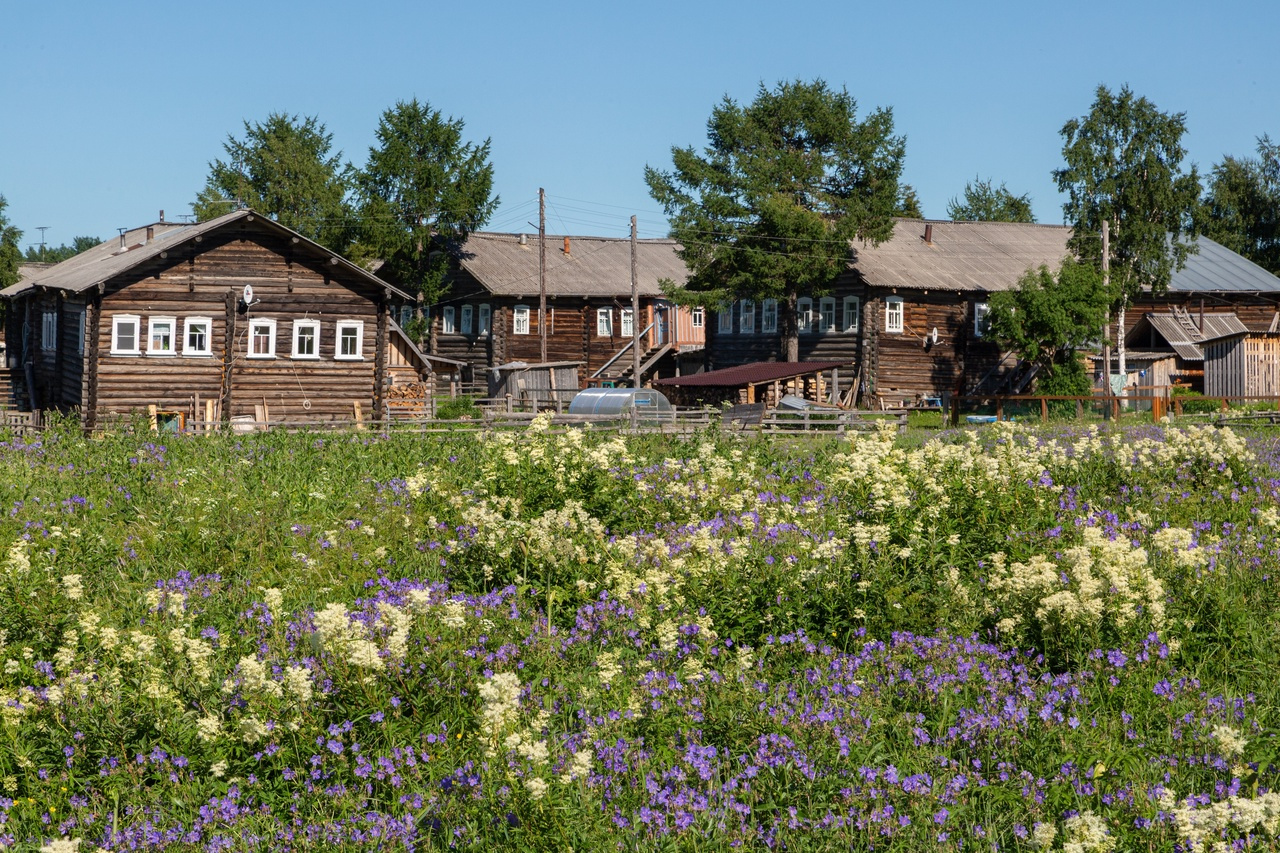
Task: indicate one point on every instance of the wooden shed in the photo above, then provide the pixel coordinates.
(553, 383)
(1244, 364)
(762, 382)
(237, 316)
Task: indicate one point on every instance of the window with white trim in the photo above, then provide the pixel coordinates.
(465, 314)
(306, 339)
(349, 343)
(49, 331)
(981, 319)
(852, 312)
(827, 314)
(804, 315)
(262, 338)
(197, 336)
(520, 320)
(724, 319)
(698, 316)
(893, 314)
(604, 322)
(447, 326)
(124, 334)
(769, 316)
(627, 323)
(747, 316)
(484, 315)
(161, 335)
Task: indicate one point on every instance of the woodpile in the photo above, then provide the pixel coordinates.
(410, 400)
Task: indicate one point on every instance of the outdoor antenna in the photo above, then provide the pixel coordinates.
(42, 229)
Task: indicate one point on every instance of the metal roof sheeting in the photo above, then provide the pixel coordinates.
(1186, 342)
(594, 266)
(750, 374)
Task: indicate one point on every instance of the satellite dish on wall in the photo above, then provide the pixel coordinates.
(247, 294)
(933, 335)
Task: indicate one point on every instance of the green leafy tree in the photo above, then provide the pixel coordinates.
(283, 168)
(908, 203)
(768, 209)
(982, 202)
(58, 254)
(10, 254)
(1047, 319)
(1241, 208)
(423, 186)
(1124, 165)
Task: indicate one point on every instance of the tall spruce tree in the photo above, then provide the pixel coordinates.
(1241, 208)
(283, 168)
(981, 202)
(768, 209)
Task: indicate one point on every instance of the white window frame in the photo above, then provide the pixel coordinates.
(852, 314)
(172, 323)
(604, 322)
(339, 341)
(187, 350)
(827, 314)
(895, 314)
(724, 319)
(298, 326)
(521, 320)
(254, 325)
(769, 317)
(747, 316)
(804, 315)
(447, 324)
(49, 331)
(119, 320)
(484, 319)
(465, 314)
(698, 316)
(981, 319)
(627, 323)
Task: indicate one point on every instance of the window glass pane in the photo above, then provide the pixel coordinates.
(126, 335)
(349, 338)
(197, 337)
(161, 336)
(747, 316)
(851, 306)
(260, 336)
(304, 341)
(466, 319)
(484, 320)
(446, 321)
(520, 320)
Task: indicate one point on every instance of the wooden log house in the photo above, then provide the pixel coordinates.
(237, 317)
(490, 315)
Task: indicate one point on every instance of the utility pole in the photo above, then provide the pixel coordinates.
(542, 271)
(1106, 286)
(42, 229)
(635, 311)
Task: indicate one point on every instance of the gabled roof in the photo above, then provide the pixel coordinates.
(594, 266)
(755, 373)
(107, 260)
(993, 256)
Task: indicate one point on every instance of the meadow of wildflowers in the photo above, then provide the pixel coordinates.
(1000, 640)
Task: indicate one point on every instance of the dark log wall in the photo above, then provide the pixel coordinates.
(1255, 311)
(197, 280)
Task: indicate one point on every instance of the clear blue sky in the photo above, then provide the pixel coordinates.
(113, 112)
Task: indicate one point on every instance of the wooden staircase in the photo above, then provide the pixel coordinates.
(13, 390)
(648, 359)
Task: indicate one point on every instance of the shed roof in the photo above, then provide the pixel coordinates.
(109, 259)
(992, 256)
(594, 266)
(1186, 341)
(755, 373)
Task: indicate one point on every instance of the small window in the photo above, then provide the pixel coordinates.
(465, 325)
(747, 316)
(520, 320)
(769, 316)
(406, 315)
(76, 319)
(827, 314)
(447, 326)
(804, 315)
(852, 309)
(484, 316)
(628, 323)
(893, 314)
(262, 338)
(197, 338)
(604, 322)
(161, 334)
(699, 315)
(724, 319)
(49, 331)
(981, 319)
(350, 344)
(124, 334)
(306, 338)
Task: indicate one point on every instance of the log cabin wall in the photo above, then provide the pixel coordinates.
(200, 280)
(1256, 311)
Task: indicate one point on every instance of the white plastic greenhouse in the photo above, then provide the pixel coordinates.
(620, 401)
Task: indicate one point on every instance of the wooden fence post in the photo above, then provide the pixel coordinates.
(1044, 409)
